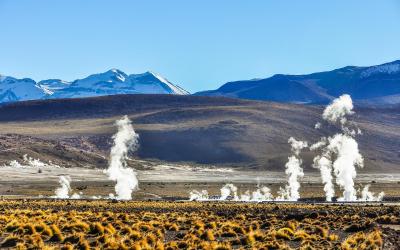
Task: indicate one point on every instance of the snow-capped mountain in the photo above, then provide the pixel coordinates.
(375, 85)
(12, 89)
(111, 82)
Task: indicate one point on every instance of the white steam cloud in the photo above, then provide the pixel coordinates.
(29, 162)
(339, 154)
(261, 194)
(199, 195)
(62, 192)
(125, 140)
(324, 164)
(338, 110)
(229, 192)
(344, 167)
(366, 195)
(293, 171)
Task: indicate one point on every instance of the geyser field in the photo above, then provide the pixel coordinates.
(322, 189)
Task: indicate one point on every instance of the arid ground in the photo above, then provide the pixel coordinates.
(174, 182)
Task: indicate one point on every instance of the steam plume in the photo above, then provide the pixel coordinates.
(339, 153)
(338, 110)
(199, 195)
(324, 164)
(293, 171)
(62, 192)
(227, 190)
(29, 162)
(124, 140)
(262, 194)
(344, 167)
(366, 195)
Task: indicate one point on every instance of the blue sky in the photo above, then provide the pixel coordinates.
(196, 44)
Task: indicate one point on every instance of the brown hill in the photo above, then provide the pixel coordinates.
(185, 129)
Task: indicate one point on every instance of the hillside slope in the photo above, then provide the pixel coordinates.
(186, 130)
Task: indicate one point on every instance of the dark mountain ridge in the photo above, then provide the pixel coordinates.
(378, 85)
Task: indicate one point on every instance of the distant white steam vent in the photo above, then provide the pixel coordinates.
(125, 140)
(340, 154)
(63, 191)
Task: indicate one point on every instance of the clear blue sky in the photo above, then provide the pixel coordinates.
(197, 44)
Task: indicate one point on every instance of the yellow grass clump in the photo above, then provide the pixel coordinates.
(40, 224)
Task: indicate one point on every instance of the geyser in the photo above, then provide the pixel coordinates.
(125, 140)
(339, 153)
(293, 171)
(261, 194)
(229, 190)
(366, 195)
(29, 162)
(199, 195)
(344, 167)
(62, 192)
(324, 163)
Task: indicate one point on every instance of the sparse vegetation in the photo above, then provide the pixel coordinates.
(40, 224)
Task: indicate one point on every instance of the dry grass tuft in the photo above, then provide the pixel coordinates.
(172, 225)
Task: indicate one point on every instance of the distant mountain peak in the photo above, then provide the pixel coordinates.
(156, 76)
(159, 77)
(117, 71)
(148, 73)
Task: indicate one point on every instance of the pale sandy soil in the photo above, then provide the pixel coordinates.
(172, 181)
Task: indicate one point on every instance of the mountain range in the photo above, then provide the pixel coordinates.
(378, 84)
(111, 82)
(374, 85)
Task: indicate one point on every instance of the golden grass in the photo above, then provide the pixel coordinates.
(188, 225)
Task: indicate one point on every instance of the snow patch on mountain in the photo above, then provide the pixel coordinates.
(52, 85)
(390, 68)
(174, 88)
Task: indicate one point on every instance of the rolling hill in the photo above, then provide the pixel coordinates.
(184, 129)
